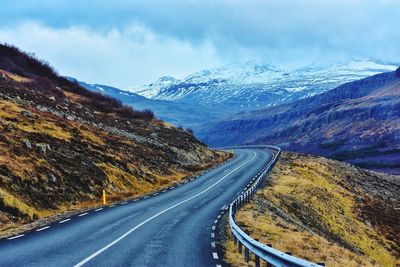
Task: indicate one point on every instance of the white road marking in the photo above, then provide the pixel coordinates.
(218, 265)
(219, 216)
(123, 203)
(172, 188)
(155, 194)
(164, 191)
(213, 244)
(99, 209)
(66, 220)
(213, 228)
(111, 206)
(145, 197)
(216, 221)
(212, 235)
(83, 214)
(215, 255)
(15, 237)
(160, 213)
(41, 229)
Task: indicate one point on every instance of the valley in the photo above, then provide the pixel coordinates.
(357, 122)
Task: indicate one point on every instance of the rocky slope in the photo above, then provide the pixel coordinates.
(325, 211)
(61, 145)
(358, 122)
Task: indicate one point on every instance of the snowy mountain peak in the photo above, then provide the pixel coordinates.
(236, 73)
(250, 86)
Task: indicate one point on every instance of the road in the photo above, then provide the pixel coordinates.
(173, 228)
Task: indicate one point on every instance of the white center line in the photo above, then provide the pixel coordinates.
(123, 203)
(160, 213)
(213, 244)
(66, 220)
(99, 209)
(213, 228)
(111, 206)
(215, 255)
(212, 235)
(83, 214)
(15, 237)
(41, 229)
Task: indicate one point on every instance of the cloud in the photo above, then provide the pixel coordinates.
(141, 40)
(120, 57)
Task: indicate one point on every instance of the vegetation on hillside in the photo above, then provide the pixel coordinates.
(61, 145)
(325, 211)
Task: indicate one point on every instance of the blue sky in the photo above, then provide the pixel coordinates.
(125, 43)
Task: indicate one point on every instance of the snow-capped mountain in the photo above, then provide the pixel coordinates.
(250, 86)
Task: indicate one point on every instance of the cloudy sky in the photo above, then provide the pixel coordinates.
(125, 43)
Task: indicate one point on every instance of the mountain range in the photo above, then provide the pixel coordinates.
(305, 109)
(213, 94)
(243, 87)
(358, 122)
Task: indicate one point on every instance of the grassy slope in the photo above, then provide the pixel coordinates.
(59, 149)
(325, 211)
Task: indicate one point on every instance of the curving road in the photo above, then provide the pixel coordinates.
(172, 228)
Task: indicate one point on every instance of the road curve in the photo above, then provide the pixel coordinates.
(172, 228)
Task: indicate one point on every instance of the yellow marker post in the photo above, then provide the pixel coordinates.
(104, 197)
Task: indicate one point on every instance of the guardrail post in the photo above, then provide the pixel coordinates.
(269, 264)
(257, 260)
(234, 239)
(239, 247)
(246, 254)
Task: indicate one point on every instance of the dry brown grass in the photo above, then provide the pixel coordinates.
(311, 191)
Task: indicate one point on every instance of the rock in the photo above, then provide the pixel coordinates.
(52, 178)
(70, 117)
(41, 108)
(27, 143)
(26, 113)
(43, 147)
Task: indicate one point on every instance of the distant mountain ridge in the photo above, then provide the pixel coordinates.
(358, 122)
(179, 114)
(250, 86)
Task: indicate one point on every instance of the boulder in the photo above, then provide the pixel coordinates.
(27, 143)
(43, 147)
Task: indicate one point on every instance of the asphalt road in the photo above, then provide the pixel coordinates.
(173, 228)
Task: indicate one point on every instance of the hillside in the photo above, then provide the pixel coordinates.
(180, 114)
(358, 122)
(325, 211)
(61, 145)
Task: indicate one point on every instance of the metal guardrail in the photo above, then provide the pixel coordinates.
(271, 256)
